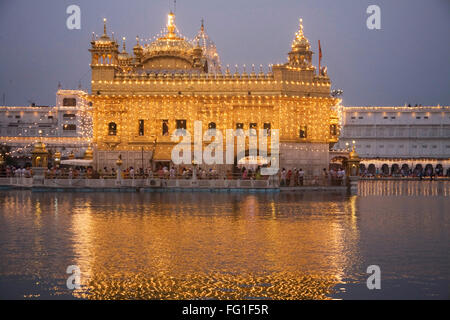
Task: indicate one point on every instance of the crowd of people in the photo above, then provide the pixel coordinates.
(406, 173)
(287, 177)
(297, 177)
(12, 171)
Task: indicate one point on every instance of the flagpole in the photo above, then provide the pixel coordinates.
(320, 56)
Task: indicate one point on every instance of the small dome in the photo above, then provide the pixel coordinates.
(171, 42)
(124, 54)
(353, 154)
(209, 50)
(104, 40)
(39, 147)
(168, 45)
(300, 41)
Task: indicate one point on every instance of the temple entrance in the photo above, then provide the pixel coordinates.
(157, 165)
(250, 163)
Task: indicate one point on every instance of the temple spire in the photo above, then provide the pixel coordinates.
(300, 27)
(301, 54)
(124, 49)
(299, 35)
(104, 26)
(171, 25)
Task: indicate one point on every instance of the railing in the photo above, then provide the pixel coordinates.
(109, 180)
(139, 180)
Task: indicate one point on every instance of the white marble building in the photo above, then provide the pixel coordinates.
(65, 126)
(397, 136)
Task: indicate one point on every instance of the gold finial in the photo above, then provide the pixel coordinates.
(123, 39)
(104, 26)
(203, 26)
(299, 35)
(89, 153)
(171, 24)
(137, 40)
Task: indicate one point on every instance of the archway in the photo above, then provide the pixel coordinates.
(362, 169)
(439, 170)
(385, 169)
(418, 169)
(405, 169)
(248, 161)
(337, 163)
(372, 169)
(428, 169)
(395, 169)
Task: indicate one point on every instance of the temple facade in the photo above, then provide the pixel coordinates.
(140, 99)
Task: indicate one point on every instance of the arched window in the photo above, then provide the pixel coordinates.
(212, 125)
(70, 127)
(165, 127)
(112, 129)
(69, 102)
(303, 132)
(333, 130)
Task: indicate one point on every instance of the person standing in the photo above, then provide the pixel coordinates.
(295, 177)
(301, 174)
(324, 176)
(283, 177)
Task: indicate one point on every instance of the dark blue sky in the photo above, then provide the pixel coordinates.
(408, 61)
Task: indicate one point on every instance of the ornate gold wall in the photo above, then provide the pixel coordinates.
(125, 91)
(287, 114)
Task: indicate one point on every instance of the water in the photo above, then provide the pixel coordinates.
(228, 245)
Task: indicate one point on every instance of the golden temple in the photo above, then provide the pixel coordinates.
(139, 99)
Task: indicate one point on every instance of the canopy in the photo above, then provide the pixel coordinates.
(77, 162)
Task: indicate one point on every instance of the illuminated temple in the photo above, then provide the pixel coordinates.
(139, 99)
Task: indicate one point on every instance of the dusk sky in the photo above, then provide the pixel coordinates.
(407, 61)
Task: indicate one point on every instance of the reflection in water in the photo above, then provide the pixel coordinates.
(202, 245)
(404, 188)
(181, 245)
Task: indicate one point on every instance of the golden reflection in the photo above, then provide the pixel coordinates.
(404, 188)
(218, 245)
(352, 200)
(83, 244)
(277, 286)
(196, 246)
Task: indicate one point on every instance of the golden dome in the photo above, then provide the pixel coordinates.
(104, 40)
(39, 147)
(300, 41)
(124, 54)
(209, 49)
(353, 154)
(89, 154)
(171, 42)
